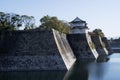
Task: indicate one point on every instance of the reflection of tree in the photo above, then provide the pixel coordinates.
(77, 72)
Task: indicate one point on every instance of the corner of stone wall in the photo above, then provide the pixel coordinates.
(92, 46)
(64, 49)
(80, 44)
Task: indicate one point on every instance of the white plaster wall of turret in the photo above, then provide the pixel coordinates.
(78, 31)
(78, 24)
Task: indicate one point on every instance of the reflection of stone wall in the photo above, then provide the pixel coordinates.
(80, 47)
(33, 75)
(26, 50)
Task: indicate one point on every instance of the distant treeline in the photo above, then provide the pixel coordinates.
(115, 40)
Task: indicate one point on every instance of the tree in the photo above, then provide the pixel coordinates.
(4, 21)
(28, 21)
(54, 23)
(99, 32)
(16, 21)
(11, 21)
(45, 19)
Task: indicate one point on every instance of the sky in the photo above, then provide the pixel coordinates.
(103, 14)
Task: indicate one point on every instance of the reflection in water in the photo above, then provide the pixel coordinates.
(33, 75)
(83, 70)
(97, 70)
(77, 72)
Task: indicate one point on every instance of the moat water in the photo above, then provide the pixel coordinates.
(109, 69)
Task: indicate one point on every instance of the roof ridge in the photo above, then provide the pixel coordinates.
(77, 19)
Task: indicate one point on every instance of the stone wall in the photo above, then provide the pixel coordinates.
(80, 46)
(64, 49)
(99, 46)
(107, 45)
(27, 42)
(34, 62)
(29, 50)
(45, 50)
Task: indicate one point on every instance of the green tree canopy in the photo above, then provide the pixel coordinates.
(11, 21)
(98, 32)
(54, 23)
(28, 21)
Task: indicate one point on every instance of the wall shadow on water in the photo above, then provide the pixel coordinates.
(33, 75)
(87, 70)
(78, 72)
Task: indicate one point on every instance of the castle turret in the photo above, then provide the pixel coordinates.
(80, 41)
(78, 26)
